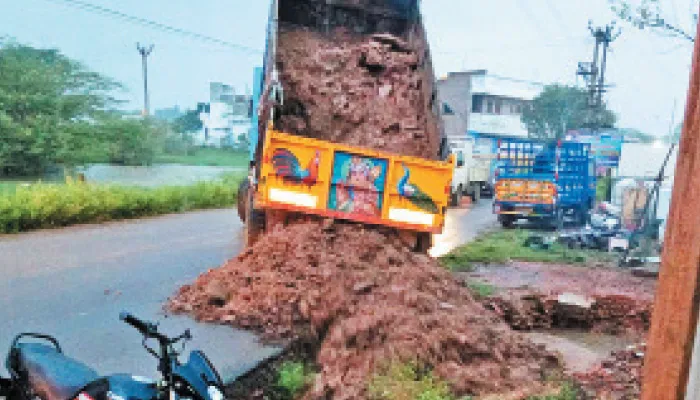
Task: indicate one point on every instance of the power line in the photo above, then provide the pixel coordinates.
(85, 6)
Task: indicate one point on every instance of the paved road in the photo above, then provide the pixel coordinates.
(73, 283)
(463, 225)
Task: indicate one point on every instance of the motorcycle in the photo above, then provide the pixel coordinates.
(40, 371)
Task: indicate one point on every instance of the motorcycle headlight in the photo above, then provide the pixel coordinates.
(215, 393)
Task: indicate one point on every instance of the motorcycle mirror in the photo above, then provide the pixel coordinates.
(187, 335)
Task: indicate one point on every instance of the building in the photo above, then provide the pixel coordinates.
(225, 119)
(168, 114)
(485, 107)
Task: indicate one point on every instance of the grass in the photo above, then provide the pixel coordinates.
(207, 157)
(501, 246)
(294, 377)
(405, 382)
(45, 205)
(480, 289)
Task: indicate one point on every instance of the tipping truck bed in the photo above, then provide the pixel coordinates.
(355, 73)
(332, 180)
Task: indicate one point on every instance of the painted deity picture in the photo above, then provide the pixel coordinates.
(357, 184)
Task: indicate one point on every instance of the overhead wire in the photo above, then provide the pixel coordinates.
(107, 12)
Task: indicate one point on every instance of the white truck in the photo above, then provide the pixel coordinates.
(472, 171)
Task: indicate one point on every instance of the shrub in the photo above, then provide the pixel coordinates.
(42, 205)
(294, 377)
(406, 382)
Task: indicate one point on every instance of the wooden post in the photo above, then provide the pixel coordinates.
(676, 306)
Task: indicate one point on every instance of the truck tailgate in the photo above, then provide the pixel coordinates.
(338, 181)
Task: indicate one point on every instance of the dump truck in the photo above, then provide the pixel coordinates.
(544, 181)
(348, 123)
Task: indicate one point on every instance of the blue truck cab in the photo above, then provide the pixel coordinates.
(544, 181)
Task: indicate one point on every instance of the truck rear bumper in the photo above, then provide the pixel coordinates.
(524, 210)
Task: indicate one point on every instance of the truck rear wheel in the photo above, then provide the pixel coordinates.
(424, 241)
(506, 221)
(243, 189)
(476, 193)
(254, 222)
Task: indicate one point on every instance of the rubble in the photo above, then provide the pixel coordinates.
(366, 91)
(534, 296)
(617, 378)
(365, 300)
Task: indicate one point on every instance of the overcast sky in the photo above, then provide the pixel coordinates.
(537, 40)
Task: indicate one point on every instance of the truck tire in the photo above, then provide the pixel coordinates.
(506, 221)
(255, 222)
(456, 198)
(476, 193)
(243, 189)
(424, 241)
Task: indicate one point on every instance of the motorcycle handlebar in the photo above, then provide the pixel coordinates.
(146, 328)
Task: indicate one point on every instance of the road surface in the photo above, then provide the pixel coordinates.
(73, 282)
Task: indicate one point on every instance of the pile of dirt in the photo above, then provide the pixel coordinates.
(534, 296)
(366, 300)
(617, 378)
(366, 91)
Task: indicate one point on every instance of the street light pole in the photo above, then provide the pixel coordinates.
(145, 52)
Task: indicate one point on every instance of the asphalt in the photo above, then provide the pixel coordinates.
(72, 283)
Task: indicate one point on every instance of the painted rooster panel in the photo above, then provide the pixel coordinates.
(287, 166)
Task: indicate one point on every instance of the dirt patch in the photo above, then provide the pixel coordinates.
(542, 296)
(365, 300)
(366, 91)
(617, 378)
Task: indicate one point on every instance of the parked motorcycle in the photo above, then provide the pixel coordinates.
(39, 370)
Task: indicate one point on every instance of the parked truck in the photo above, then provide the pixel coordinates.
(347, 121)
(547, 182)
(471, 173)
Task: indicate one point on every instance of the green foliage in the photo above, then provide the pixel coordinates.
(188, 123)
(406, 382)
(559, 109)
(207, 156)
(131, 141)
(46, 100)
(480, 289)
(42, 205)
(294, 377)
(648, 14)
(504, 245)
(602, 188)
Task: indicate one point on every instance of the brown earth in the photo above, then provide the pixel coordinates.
(357, 90)
(365, 300)
(541, 296)
(617, 378)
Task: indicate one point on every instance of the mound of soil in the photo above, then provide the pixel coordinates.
(367, 91)
(617, 378)
(366, 301)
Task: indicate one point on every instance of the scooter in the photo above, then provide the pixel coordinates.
(40, 371)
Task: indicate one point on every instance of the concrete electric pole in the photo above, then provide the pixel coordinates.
(145, 52)
(594, 72)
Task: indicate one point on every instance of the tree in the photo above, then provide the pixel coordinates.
(559, 109)
(46, 103)
(649, 14)
(188, 123)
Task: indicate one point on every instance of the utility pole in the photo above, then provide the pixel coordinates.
(145, 52)
(594, 72)
(594, 75)
(674, 321)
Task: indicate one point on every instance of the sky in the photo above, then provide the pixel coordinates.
(536, 40)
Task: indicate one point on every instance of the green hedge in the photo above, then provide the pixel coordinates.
(41, 206)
